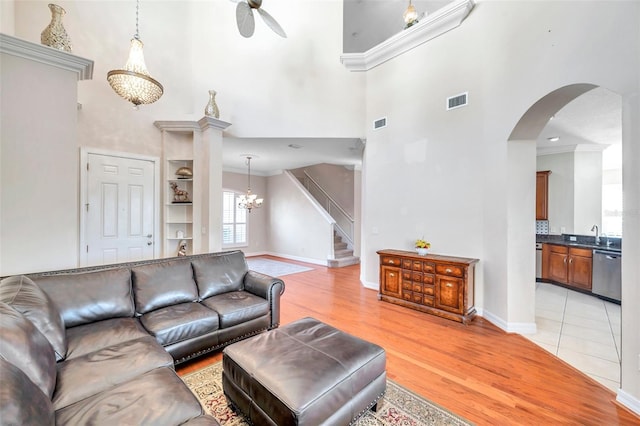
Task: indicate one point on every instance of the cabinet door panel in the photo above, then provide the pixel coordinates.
(558, 267)
(580, 271)
(390, 281)
(449, 294)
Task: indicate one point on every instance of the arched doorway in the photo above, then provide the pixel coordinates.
(579, 328)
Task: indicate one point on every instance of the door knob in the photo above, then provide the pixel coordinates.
(149, 236)
(149, 243)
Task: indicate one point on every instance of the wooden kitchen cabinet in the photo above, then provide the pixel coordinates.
(438, 285)
(567, 265)
(542, 195)
(580, 267)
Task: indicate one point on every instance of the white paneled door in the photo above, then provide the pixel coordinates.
(119, 209)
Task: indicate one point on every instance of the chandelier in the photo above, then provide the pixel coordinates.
(249, 201)
(410, 16)
(134, 83)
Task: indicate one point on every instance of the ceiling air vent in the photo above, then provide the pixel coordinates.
(458, 101)
(380, 123)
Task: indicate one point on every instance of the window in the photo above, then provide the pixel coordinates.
(612, 190)
(234, 221)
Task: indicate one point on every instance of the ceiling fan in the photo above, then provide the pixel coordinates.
(246, 22)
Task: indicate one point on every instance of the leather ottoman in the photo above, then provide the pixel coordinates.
(304, 373)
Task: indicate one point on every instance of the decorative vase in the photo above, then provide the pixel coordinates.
(55, 35)
(422, 251)
(211, 109)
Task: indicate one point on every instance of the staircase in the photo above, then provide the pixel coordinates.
(343, 255)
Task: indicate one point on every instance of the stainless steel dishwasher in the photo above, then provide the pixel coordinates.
(607, 274)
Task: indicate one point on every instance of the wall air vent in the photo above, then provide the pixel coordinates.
(458, 101)
(380, 123)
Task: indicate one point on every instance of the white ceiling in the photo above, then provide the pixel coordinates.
(272, 155)
(592, 121)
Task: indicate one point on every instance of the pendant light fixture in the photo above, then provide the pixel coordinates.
(410, 16)
(249, 201)
(134, 83)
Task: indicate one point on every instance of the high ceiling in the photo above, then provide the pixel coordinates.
(592, 120)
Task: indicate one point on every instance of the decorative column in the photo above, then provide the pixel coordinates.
(207, 156)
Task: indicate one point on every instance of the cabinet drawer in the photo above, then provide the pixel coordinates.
(417, 298)
(417, 277)
(428, 278)
(407, 263)
(580, 252)
(391, 261)
(427, 290)
(558, 249)
(416, 288)
(406, 275)
(427, 300)
(417, 265)
(407, 295)
(407, 285)
(451, 270)
(429, 267)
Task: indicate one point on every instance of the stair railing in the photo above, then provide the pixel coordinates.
(344, 221)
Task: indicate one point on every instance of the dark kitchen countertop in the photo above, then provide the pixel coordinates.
(582, 241)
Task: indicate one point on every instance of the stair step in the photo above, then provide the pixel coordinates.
(339, 246)
(343, 261)
(342, 253)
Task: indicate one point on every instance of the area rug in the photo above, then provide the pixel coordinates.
(399, 407)
(273, 267)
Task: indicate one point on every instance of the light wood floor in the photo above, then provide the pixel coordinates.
(477, 371)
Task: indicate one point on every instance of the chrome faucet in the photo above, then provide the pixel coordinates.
(595, 228)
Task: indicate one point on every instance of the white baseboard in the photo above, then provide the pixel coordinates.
(629, 401)
(510, 327)
(369, 284)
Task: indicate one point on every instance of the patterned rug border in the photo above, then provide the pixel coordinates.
(400, 406)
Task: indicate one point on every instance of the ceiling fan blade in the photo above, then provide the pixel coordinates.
(272, 23)
(245, 20)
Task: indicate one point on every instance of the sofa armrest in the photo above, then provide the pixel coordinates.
(269, 288)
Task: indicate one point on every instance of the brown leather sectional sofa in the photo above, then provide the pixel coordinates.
(98, 345)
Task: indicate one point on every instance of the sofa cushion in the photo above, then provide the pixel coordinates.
(27, 298)
(22, 402)
(163, 284)
(219, 273)
(26, 348)
(98, 371)
(180, 322)
(237, 307)
(90, 296)
(156, 398)
(87, 338)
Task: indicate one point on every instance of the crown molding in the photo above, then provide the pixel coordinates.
(46, 55)
(438, 23)
(187, 126)
(207, 122)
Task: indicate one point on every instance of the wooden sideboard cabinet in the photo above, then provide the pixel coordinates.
(438, 285)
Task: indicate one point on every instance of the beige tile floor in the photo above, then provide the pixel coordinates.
(582, 330)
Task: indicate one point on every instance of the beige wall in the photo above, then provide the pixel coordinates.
(39, 169)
